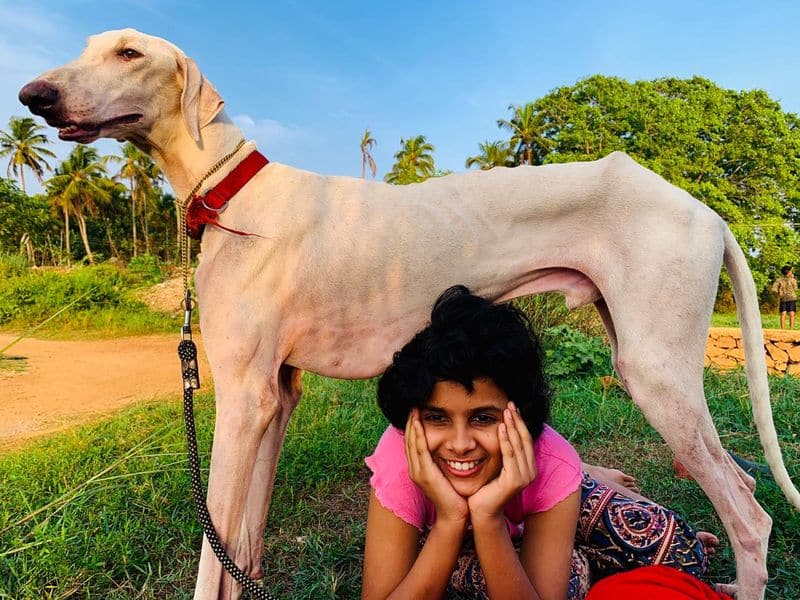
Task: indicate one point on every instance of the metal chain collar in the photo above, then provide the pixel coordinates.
(184, 242)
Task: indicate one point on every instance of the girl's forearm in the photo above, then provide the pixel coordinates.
(502, 569)
(429, 576)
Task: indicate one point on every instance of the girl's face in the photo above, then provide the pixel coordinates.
(461, 431)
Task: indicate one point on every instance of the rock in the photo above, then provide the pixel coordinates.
(726, 341)
(723, 362)
(777, 354)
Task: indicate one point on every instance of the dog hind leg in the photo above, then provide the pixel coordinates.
(675, 406)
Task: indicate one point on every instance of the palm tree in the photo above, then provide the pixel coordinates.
(77, 186)
(413, 162)
(527, 128)
(367, 143)
(25, 145)
(493, 154)
(141, 173)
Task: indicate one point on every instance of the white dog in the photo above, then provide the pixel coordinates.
(342, 272)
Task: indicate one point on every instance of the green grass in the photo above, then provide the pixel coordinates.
(98, 301)
(768, 320)
(105, 511)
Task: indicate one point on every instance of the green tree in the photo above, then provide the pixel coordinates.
(367, 143)
(25, 145)
(413, 162)
(77, 187)
(142, 175)
(528, 133)
(24, 219)
(736, 151)
(492, 154)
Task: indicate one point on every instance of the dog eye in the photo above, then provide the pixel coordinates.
(129, 53)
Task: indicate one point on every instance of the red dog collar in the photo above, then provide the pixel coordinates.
(206, 208)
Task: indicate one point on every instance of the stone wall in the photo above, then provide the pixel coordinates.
(781, 349)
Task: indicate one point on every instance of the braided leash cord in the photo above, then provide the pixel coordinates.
(187, 351)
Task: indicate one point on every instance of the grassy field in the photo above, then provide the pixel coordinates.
(105, 511)
(90, 302)
(768, 320)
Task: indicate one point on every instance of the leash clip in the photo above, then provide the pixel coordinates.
(187, 351)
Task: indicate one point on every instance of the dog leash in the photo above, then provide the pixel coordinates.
(190, 373)
(187, 351)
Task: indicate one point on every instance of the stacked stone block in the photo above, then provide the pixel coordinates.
(781, 349)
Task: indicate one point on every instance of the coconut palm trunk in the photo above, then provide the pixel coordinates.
(146, 226)
(133, 216)
(66, 233)
(85, 236)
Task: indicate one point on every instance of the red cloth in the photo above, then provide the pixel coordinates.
(653, 583)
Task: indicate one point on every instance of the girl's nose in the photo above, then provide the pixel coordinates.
(461, 441)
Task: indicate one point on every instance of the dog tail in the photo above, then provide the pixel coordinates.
(744, 291)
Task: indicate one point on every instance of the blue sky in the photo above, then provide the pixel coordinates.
(304, 79)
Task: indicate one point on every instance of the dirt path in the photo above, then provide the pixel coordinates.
(62, 383)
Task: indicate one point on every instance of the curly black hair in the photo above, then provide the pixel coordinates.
(468, 338)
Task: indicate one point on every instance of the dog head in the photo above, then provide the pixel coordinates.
(125, 85)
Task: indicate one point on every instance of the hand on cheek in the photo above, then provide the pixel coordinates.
(519, 468)
(423, 471)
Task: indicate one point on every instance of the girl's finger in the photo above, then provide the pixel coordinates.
(510, 465)
(516, 443)
(412, 455)
(525, 438)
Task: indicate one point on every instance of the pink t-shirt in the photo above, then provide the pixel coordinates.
(558, 474)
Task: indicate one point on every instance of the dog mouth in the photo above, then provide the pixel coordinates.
(88, 132)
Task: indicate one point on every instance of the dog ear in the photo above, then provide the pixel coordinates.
(200, 102)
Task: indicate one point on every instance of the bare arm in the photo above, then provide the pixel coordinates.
(393, 567)
(542, 568)
(541, 571)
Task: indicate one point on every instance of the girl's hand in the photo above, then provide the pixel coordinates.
(519, 468)
(449, 505)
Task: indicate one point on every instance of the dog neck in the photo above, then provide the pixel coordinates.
(184, 162)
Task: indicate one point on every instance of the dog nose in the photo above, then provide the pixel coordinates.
(38, 95)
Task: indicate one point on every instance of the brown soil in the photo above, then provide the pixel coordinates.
(46, 385)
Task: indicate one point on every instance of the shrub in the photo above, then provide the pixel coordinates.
(571, 352)
(549, 309)
(12, 265)
(35, 295)
(147, 267)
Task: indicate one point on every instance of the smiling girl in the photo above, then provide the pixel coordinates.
(473, 492)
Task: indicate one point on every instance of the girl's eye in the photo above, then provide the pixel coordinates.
(483, 419)
(434, 418)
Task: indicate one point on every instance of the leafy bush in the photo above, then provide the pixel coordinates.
(34, 295)
(549, 309)
(12, 265)
(571, 352)
(147, 267)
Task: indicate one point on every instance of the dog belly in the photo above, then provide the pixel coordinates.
(577, 288)
(361, 344)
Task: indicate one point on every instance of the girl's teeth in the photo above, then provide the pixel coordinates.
(463, 466)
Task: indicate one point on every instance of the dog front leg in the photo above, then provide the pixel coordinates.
(259, 496)
(246, 407)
